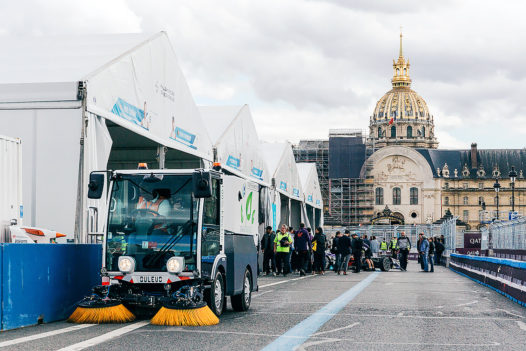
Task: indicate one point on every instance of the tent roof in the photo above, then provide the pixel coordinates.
(218, 118)
(61, 58)
(304, 171)
(272, 153)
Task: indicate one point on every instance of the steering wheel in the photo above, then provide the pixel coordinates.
(145, 211)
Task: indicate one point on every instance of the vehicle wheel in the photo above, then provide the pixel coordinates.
(241, 302)
(215, 296)
(385, 264)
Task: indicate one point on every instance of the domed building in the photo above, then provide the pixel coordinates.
(398, 168)
(401, 116)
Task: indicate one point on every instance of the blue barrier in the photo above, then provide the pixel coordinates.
(43, 283)
(501, 261)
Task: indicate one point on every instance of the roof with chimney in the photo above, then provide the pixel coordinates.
(475, 163)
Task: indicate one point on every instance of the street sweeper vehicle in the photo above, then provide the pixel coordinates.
(176, 243)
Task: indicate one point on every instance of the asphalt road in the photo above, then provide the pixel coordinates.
(367, 311)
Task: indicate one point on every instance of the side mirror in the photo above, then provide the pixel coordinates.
(95, 186)
(202, 184)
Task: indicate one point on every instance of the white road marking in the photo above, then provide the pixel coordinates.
(262, 293)
(285, 281)
(467, 303)
(314, 342)
(400, 314)
(337, 329)
(391, 316)
(346, 340)
(105, 337)
(44, 335)
(522, 325)
(510, 313)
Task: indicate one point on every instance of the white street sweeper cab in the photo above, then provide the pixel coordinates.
(176, 232)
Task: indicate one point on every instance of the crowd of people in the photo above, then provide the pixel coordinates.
(291, 250)
(299, 251)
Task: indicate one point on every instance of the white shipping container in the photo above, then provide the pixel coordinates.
(11, 208)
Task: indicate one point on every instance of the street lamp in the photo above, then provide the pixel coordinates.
(496, 186)
(513, 176)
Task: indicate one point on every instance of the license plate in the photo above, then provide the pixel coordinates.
(149, 279)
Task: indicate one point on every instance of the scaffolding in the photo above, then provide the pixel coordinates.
(347, 201)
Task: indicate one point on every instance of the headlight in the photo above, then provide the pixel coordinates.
(126, 264)
(175, 264)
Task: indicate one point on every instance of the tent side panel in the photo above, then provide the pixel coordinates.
(51, 151)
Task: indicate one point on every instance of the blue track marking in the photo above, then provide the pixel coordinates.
(300, 333)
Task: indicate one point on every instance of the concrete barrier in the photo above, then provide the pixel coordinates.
(43, 282)
(507, 277)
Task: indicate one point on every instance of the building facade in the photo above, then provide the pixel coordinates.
(403, 170)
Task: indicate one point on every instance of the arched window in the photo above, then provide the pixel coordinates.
(379, 132)
(397, 72)
(405, 71)
(446, 200)
(413, 196)
(379, 196)
(397, 196)
(393, 132)
(423, 132)
(409, 132)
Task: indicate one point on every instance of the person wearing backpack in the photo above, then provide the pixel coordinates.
(302, 245)
(319, 243)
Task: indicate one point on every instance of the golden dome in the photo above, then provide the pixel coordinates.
(401, 102)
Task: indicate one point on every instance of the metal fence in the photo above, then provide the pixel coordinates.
(505, 235)
(446, 228)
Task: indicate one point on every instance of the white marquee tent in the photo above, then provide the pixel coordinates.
(236, 142)
(89, 103)
(287, 201)
(311, 192)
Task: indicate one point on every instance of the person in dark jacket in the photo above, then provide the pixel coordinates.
(302, 246)
(344, 249)
(320, 241)
(404, 246)
(334, 250)
(439, 250)
(418, 245)
(357, 247)
(267, 249)
(431, 254)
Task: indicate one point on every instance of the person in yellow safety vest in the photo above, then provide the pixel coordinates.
(383, 246)
(392, 246)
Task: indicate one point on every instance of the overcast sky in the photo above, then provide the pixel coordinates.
(305, 66)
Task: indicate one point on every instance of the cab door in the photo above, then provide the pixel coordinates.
(210, 230)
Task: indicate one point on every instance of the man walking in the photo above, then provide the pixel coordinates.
(404, 245)
(338, 259)
(357, 247)
(431, 253)
(418, 244)
(267, 249)
(344, 249)
(424, 249)
(439, 250)
(302, 245)
(282, 250)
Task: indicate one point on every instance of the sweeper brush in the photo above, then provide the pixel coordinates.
(186, 308)
(197, 316)
(98, 308)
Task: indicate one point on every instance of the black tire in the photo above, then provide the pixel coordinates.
(241, 302)
(385, 264)
(215, 296)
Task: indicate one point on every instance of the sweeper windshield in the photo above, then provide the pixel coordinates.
(152, 218)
